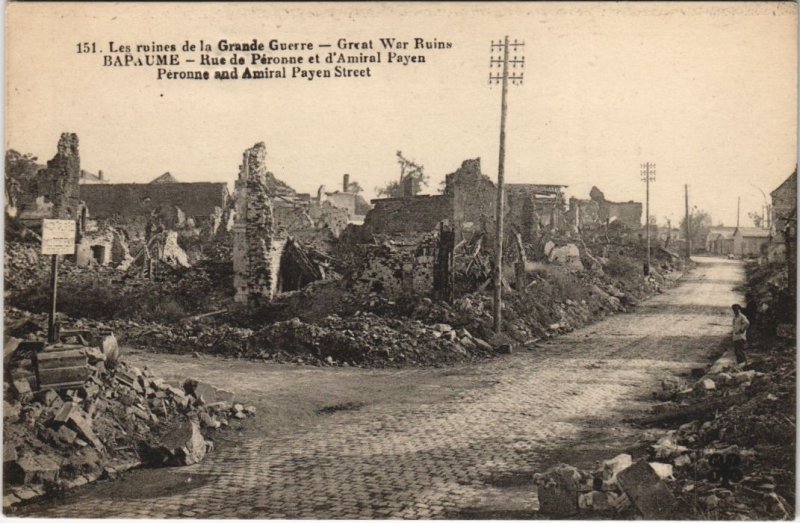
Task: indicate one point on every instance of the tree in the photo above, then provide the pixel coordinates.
(408, 169)
(354, 187)
(699, 225)
(21, 172)
(758, 219)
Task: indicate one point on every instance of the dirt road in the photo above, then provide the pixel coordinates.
(425, 443)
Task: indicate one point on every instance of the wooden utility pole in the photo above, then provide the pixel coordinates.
(686, 221)
(52, 335)
(738, 205)
(648, 174)
(502, 79)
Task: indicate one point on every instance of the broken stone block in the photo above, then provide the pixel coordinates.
(442, 327)
(10, 500)
(651, 496)
(597, 500)
(84, 428)
(22, 386)
(705, 385)
(66, 411)
(11, 412)
(612, 467)
(50, 398)
(557, 490)
(66, 434)
(33, 469)
(9, 453)
(682, 460)
(209, 421)
(184, 444)
(663, 470)
(206, 393)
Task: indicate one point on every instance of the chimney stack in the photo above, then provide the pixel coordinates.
(408, 187)
(345, 183)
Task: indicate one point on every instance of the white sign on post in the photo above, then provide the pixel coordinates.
(58, 237)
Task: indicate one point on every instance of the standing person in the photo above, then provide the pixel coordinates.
(740, 324)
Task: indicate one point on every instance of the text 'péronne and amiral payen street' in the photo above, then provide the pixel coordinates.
(256, 59)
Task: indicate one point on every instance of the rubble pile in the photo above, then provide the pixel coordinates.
(617, 488)
(105, 293)
(57, 438)
(732, 438)
(368, 339)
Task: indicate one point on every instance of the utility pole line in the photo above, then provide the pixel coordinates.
(648, 174)
(503, 79)
(738, 203)
(686, 221)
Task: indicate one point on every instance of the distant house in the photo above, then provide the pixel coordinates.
(89, 178)
(720, 240)
(165, 178)
(748, 241)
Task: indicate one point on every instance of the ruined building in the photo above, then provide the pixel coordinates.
(131, 205)
(268, 258)
(468, 204)
(54, 191)
(598, 211)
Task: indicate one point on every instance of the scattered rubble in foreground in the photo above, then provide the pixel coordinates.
(59, 436)
(721, 445)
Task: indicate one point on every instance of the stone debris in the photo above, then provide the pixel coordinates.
(120, 417)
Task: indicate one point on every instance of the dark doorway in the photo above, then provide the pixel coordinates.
(99, 253)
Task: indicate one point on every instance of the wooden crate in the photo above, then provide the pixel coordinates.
(61, 366)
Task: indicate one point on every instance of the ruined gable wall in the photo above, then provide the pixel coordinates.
(629, 213)
(474, 199)
(255, 269)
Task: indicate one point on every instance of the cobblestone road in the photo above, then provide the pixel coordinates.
(469, 451)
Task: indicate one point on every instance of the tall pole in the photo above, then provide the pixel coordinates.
(648, 174)
(52, 335)
(686, 221)
(498, 276)
(498, 241)
(738, 204)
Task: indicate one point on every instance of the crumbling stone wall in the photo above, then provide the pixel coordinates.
(598, 211)
(408, 215)
(629, 213)
(254, 256)
(328, 216)
(58, 183)
(474, 199)
(394, 270)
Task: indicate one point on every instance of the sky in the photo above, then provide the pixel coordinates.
(707, 91)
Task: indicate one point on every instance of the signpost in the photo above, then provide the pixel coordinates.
(58, 237)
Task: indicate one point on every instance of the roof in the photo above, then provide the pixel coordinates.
(753, 232)
(87, 177)
(724, 232)
(791, 180)
(549, 188)
(139, 199)
(165, 178)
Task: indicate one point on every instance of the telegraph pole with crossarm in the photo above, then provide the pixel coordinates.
(517, 63)
(648, 175)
